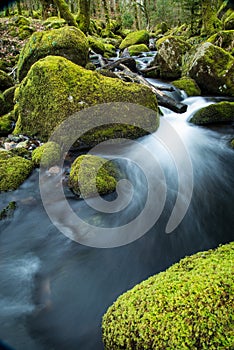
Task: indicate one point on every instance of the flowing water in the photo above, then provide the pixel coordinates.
(54, 291)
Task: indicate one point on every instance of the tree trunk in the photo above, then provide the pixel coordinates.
(65, 12)
(107, 14)
(210, 22)
(136, 16)
(84, 15)
(19, 10)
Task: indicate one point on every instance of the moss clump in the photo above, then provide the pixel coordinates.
(5, 81)
(96, 45)
(55, 88)
(47, 155)
(188, 85)
(139, 37)
(13, 171)
(221, 112)
(6, 124)
(67, 42)
(54, 22)
(110, 50)
(189, 306)
(171, 50)
(9, 98)
(223, 39)
(232, 143)
(25, 32)
(135, 50)
(91, 175)
(8, 211)
(212, 68)
(228, 21)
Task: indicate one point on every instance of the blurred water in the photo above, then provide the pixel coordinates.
(54, 291)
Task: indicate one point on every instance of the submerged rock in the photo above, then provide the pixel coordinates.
(212, 68)
(222, 112)
(189, 306)
(170, 54)
(55, 88)
(68, 42)
(13, 170)
(91, 175)
(188, 85)
(138, 37)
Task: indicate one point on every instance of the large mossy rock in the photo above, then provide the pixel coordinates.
(169, 58)
(91, 175)
(138, 37)
(188, 85)
(55, 88)
(223, 39)
(13, 170)
(189, 306)
(212, 68)
(222, 112)
(5, 81)
(68, 42)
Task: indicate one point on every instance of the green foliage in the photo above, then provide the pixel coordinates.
(127, 20)
(47, 155)
(188, 85)
(223, 39)
(139, 37)
(68, 42)
(189, 306)
(13, 171)
(216, 113)
(229, 21)
(55, 88)
(91, 175)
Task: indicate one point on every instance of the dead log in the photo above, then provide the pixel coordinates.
(127, 61)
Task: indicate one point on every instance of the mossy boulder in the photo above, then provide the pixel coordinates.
(138, 37)
(110, 50)
(223, 39)
(221, 112)
(188, 85)
(212, 68)
(6, 124)
(96, 45)
(25, 32)
(5, 81)
(91, 175)
(170, 54)
(13, 170)
(55, 88)
(68, 42)
(54, 23)
(21, 21)
(135, 50)
(189, 306)
(47, 155)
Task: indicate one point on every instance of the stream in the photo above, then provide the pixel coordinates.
(55, 291)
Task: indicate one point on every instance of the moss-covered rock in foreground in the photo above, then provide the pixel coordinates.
(188, 85)
(91, 175)
(222, 112)
(135, 50)
(47, 155)
(212, 68)
(139, 37)
(13, 170)
(68, 42)
(55, 88)
(189, 306)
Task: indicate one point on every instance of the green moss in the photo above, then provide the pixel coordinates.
(47, 155)
(135, 50)
(110, 50)
(139, 37)
(188, 85)
(21, 21)
(13, 171)
(229, 20)
(223, 39)
(216, 113)
(8, 211)
(25, 32)
(96, 45)
(212, 68)
(88, 167)
(232, 143)
(55, 88)
(68, 42)
(9, 98)
(54, 23)
(189, 306)
(5, 81)
(6, 124)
